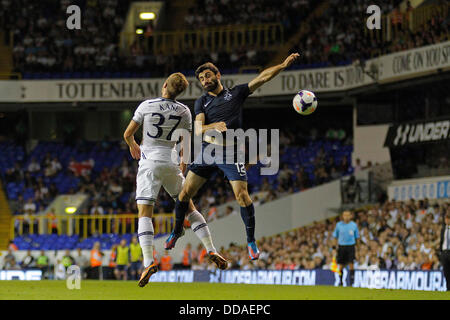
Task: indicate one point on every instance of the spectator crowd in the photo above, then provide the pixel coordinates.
(337, 36)
(42, 41)
(393, 236)
(43, 45)
(210, 13)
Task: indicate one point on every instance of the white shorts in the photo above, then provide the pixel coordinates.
(151, 175)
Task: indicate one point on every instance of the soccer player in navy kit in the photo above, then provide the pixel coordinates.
(221, 109)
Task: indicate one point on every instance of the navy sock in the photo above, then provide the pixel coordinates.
(248, 216)
(180, 212)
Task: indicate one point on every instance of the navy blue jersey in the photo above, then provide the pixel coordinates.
(226, 106)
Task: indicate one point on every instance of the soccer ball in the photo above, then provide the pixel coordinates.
(305, 102)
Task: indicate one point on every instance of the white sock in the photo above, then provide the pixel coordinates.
(201, 230)
(145, 236)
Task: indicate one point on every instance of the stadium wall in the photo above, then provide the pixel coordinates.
(368, 144)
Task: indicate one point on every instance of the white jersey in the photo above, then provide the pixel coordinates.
(160, 117)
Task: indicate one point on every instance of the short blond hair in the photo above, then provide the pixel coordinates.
(176, 84)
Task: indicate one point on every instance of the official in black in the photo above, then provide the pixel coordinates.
(445, 248)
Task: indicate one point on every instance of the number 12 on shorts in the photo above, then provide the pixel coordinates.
(241, 168)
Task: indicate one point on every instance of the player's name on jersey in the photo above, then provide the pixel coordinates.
(168, 106)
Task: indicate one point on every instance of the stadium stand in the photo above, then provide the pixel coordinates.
(206, 13)
(106, 173)
(96, 54)
(340, 40)
(394, 236)
(337, 41)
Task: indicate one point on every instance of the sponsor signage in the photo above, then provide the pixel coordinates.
(419, 189)
(20, 275)
(417, 132)
(414, 62)
(378, 279)
(406, 64)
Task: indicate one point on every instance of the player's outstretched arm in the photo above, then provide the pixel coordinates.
(128, 136)
(269, 73)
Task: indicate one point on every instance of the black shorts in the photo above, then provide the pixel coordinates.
(345, 254)
(122, 267)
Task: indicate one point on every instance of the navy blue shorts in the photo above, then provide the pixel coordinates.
(135, 265)
(233, 171)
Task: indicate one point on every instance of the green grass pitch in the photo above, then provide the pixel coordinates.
(128, 290)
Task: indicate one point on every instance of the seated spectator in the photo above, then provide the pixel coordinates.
(256, 201)
(12, 246)
(321, 175)
(67, 260)
(166, 262)
(34, 166)
(352, 190)
(361, 263)
(344, 167)
(8, 259)
(12, 265)
(59, 270)
(30, 181)
(115, 187)
(284, 176)
(42, 263)
(52, 168)
(212, 213)
(28, 261)
(230, 211)
(96, 209)
(52, 221)
(265, 185)
(82, 262)
(358, 166)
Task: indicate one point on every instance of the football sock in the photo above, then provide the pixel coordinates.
(145, 236)
(248, 216)
(352, 277)
(181, 208)
(201, 230)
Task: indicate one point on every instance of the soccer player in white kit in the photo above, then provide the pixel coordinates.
(160, 117)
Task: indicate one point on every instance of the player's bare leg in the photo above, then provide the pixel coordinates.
(190, 188)
(248, 215)
(145, 236)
